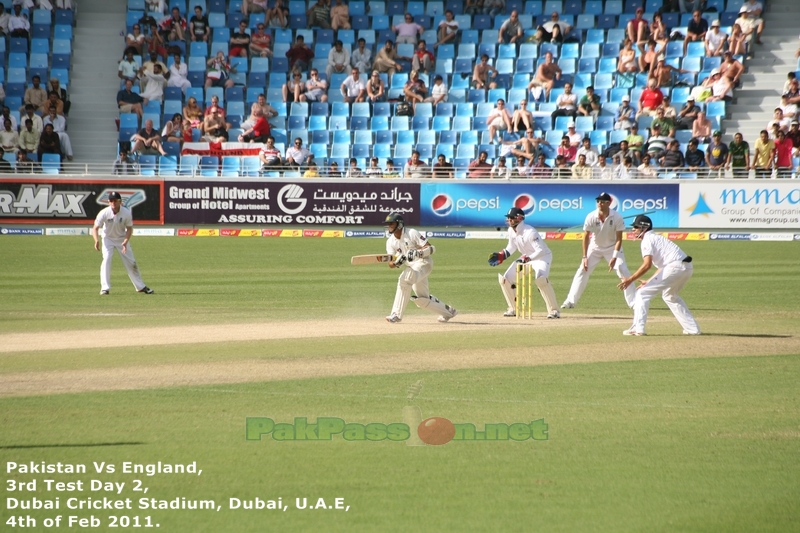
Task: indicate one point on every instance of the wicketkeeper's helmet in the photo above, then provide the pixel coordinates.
(643, 221)
(394, 217)
(515, 212)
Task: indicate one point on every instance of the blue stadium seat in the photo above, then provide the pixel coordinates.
(51, 163)
(231, 166)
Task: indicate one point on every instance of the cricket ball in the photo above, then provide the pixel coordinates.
(436, 431)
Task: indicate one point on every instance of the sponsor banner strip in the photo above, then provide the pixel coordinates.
(771, 236)
(21, 231)
(154, 232)
(68, 231)
(370, 234)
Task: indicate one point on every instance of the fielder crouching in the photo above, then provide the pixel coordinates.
(527, 240)
(410, 247)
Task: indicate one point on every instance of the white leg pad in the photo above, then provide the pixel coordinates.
(434, 305)
(548, 294)
(508, 292)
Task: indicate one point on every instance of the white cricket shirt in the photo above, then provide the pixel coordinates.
(527, 240)
(604, 234)
(662, 250)
(114, 226)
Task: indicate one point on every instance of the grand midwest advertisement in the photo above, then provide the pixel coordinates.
(547, 205)
(287, 203)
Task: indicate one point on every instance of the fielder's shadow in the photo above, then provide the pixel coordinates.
(748, 335)
(84, 445)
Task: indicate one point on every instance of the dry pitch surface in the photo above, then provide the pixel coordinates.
(273, 369)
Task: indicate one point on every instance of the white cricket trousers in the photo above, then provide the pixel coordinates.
(108, 247)
(669, 282)
(415, 277)
(593, 257)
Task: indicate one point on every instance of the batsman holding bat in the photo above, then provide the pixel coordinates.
(527, 240)
(407, 246)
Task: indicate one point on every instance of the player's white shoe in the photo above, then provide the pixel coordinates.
(568, 305)
(146, 290)
(443, 318)
(104, 292)
(510, 312)
(632, 333)
(393, 319)
(554, 314)
(687, 332)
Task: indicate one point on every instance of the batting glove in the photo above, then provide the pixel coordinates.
(524, 259)
(496, 258)
(413, 255)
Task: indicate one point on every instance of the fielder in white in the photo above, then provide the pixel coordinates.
(527, 240)
(116, 222)
(674, 270)
(602, 239)
(409, 247)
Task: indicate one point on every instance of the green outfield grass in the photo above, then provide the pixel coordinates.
(693, 444)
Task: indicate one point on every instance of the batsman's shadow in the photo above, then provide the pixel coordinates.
(749, 335)
(76, 445)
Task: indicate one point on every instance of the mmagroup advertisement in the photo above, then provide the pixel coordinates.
(700, 204)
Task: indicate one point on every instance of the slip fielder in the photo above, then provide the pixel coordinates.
(602, 239)
(408, 246)
(674, 271)
(116, 222)
(527, 240)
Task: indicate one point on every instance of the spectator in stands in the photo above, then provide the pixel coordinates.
(664, 73)
(135, 39)
(764, 156)
(260, 6)
(258, 132)
(658, 30)
(269, 155)
(716, 156)
(522, 119)
(646, 170)
(778, 118)
(300, 55)
(561, 170)
(566, 150)
(443, 169)
(407, 31)
(774, 131)
(414, 89)
(635, 145)
(198, 25)
(790, 77)
(687, 114)
(602, 170)
(737, 42)
(148, 139)
(438, 92)
(373, 170)
(588, 152)
(423, 59)
(731, 68)
(35, 95)
(154, 88)
(260, 42)
(5, 166)
(657, 142)
(215, 129)
(128, 101)
(669, 111)
(448, 29)
(625, 170)
(147, 66)
(390, 171)
(179, 74)
(624, 151)
(479, 168)
(473, 7)
(667, 125)
(294, 90)
(55, 87)
(340, 16)
(29, 137)
(128, 68)
(480, 74)
(626, 115)
(647, 59)
(794, 134)
(651, 98)
(24, 164)
(500, 170)
(715, 40)
(354, 90)
(8, 116)
(540, 169)
(192, 114)
(267, 110)
(672, 157)
(498, 120)
(637, 29)
(4, 17)
(2, 93)
(511, 31)
(319, 15)
(552, 31)
(528, 146)
(789, 109)
(219, 72)
(155, 42)
(316, 88)
(793, 93)
(338, 59)
(30, 114)
(386, 60)
(333, 170)
(580, 170)
(589, 105)
(376, 89)
(566, 104)
(173, 28)
(522, 169)
(783, 156)
(276, 16)
(493, 7)
(696, 30)
(575, 138)
(298, 155)
(311, 171)
(173, 130)
(157, 6)
(546, 76)
(18, 24)
(361, 58)
(60, 127)
(694, 157)
(416, 168)
(754, 9)
(627, 58)
(239, 43)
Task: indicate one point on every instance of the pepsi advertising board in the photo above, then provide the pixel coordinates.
(546, 205)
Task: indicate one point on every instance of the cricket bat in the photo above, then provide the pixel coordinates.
(370, 259)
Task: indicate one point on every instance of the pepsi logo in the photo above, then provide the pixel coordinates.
(614, 202)
(526, 202)
(442, 205)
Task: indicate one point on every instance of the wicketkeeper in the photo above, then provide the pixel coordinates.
(527, 240)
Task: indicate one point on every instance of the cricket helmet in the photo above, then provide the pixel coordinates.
(394, 218)
(644, 222)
